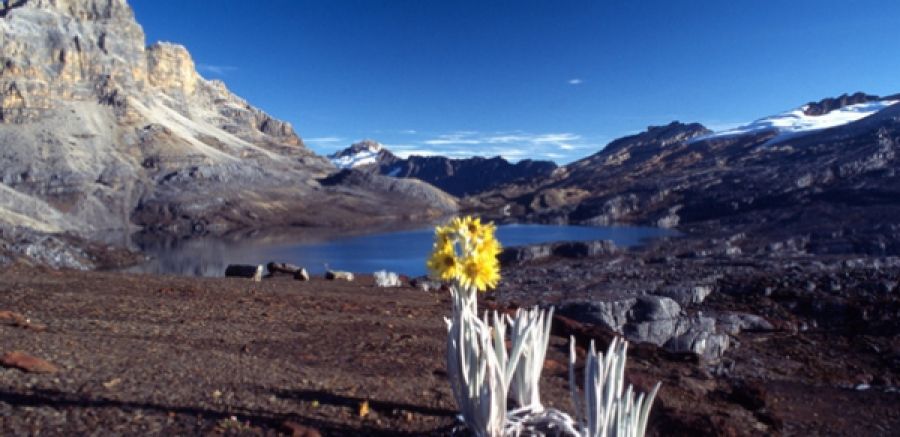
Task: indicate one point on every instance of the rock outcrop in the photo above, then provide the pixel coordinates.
(654, 319)
(829, 104)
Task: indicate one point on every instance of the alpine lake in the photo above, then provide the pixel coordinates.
(403, 251)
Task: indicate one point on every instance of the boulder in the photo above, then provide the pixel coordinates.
(610, 314)
(244, 271)
(734, 323)
(653, 319)
(338, 275)
(519, 254)
(285, 268)
(686, 294)
(301, 275)
(699, 335)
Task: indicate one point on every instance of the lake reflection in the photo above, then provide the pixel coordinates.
(403, 252)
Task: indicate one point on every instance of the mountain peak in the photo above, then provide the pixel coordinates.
(359, 154)
(81, 10)
(367, 144)
(829, 104)
(824, 114)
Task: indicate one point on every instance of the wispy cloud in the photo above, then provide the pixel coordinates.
(219, 70)
(576, 81)
(324, 140)
(517, 145)
(561, 147)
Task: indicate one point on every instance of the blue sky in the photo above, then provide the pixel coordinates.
(553, 79)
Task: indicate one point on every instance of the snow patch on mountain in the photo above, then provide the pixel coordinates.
(796, 121)
(357, 155)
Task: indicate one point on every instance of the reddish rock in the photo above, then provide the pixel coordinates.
(27, 363)
(20, 321)
(296, 430)
(11, 318)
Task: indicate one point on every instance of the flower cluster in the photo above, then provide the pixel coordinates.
(485, 369)
(465, 251)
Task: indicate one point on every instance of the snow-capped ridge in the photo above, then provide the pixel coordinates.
(798, 120)
(357, 155)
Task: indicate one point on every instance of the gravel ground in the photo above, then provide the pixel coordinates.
(154, 355)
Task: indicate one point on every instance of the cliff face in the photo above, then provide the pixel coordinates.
(98, 131)
(60, 51)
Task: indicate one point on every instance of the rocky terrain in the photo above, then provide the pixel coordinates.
(753, 343)
(775, 311)
(459, 177)
(102, 133)
(814, 338)
(821, 190)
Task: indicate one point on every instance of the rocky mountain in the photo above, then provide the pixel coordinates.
(459, 177)
(362, 155)
(101, 132)
(829, 104)
(828, 183)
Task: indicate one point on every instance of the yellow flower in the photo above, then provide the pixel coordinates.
(472, 225)
(480, 272)
(443, 263)
(489, 246)
(443, 235)
(465, 250)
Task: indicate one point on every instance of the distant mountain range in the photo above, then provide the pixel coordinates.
(825, 177)
(459, 177)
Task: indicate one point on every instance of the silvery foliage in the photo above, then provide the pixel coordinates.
(531, 328)
(386, 279)
(483, 373)
(607, 408)
(478, 365)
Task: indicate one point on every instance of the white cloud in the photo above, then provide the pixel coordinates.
(556, 146)
(323, 140)
(219, 70)
(454, 138)
(575, 81)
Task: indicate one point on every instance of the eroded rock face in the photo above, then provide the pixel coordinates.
(653, 319)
